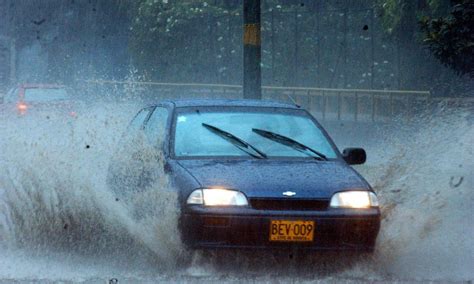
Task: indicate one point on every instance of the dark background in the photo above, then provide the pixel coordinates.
(333, 44)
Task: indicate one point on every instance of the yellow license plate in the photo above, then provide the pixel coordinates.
(291, 231)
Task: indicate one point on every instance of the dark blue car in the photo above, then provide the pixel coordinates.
(253, 174)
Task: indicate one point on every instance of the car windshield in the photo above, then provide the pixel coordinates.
(192, 139)
(45, 95)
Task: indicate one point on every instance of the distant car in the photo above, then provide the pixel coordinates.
(252, 174)
(40, 99)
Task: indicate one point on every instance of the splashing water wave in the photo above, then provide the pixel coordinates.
(54, 204)
(53, 196)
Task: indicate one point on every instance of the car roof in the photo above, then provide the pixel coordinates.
(228, 102)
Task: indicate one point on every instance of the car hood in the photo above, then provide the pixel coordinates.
(269, 179)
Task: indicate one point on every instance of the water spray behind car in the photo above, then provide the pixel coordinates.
(54, 197)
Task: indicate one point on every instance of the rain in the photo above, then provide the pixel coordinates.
(394, 77)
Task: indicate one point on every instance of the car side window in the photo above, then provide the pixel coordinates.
(138, 120)
(156, 126)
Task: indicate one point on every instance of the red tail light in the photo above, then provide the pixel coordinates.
(22, 108)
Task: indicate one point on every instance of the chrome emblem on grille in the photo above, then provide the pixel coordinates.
(289, 193)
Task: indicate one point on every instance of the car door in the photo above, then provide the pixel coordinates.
(152, 151)
(126, 165)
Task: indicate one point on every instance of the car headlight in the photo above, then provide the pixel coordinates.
(217, 197)
(354, 199)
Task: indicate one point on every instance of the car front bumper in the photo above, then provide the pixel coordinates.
(335, 229)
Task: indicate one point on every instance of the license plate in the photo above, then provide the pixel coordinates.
(291, 231)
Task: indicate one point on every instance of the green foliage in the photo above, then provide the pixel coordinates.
(390, 11)
(174, 39)
(304, 44)
(400, 15)
(451, 38)
(446, 27)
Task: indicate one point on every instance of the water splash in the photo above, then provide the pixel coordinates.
(54, 203)
(427, 226)
(55, 199)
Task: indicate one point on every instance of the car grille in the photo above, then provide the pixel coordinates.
(289, 204)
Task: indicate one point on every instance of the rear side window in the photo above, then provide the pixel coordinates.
(139, 119)
(155, 127)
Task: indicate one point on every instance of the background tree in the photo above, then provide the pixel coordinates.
(451, 38)
(446, 27)
(183, 41)
(356, 44)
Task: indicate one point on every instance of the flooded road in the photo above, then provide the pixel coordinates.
(59, 222)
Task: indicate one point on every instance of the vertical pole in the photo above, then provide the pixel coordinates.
(252, 50)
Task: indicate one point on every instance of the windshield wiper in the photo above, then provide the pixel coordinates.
(289, 142)
(236, 141)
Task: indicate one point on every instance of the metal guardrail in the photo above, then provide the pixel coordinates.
(325, 103)
(353, 104)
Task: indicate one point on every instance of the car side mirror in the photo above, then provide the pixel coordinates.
(354, 156)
